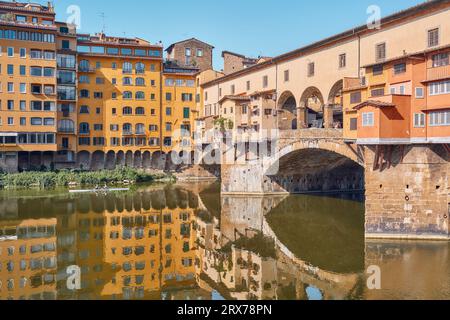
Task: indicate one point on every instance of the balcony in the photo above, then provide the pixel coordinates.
(66, 97)
(127, 133)
(438, 73)
(66, 130)
(86, 70)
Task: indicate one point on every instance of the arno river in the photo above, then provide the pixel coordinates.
(187, 242)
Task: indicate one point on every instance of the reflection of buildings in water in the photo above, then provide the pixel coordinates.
(255, 273)
(409, 269)
(28, 259)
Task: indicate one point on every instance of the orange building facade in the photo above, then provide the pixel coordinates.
(402, 101)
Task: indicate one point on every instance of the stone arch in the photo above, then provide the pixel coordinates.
(146, 160)
(334, 113)
(110, 161)
(315, 166)
(84, 160)
(98, 160)
(120, 159)
(287, 111)
(312, 103)
(158, 160)
(129, 158)
(137, 162)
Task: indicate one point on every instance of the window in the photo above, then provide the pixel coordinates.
(10, 87)
(23, 52)
(199, 53)
(419, 93)
(399, 68)
(188, 52)
(84, 79)
(232, 89)
(441, 59)
(10, 105)
(438, 88)
(265, 81)
(368, 119)
(127, 111)
(140, 95)
(84, 93)
(419, 120)
(169, 82)
(99, 80)
(140, 68)
(84, 110)
(186, 97)
(377, 92)
(126, 51)
(167, 141)
(112, 51)
(355, 97)
(36, 89)
(10, 52)
(140, 52)
(127, 67)
(49, 55)
(140, 128)
(85, 65)
(286, 75)
(168, 96)
(10, 69)
(127, 95)
(36, 121)
(186, 113)
(49, 72)
(140, 82)
(36, 71)
(140, 111)
(168, 111)
(353, 124)
(84, 141)
(127, 81)
(380, 53)
(342, 60)
(23, 121)
(311, 69)
(433, 37)
(65, 44)
(23, 105)
(248, 85)
(153, 128)
(440, 118)
(377, 70)
(23, 70)
(84, 128)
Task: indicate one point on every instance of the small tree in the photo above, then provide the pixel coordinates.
(223, 124)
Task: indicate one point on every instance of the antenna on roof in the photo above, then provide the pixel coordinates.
(102, 15)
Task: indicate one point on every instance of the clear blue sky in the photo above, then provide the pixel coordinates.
(250, 27)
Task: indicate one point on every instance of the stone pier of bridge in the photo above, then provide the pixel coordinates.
(406, 187)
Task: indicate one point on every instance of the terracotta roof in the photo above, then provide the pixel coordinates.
(409, 56)
(374, 103)
(169, 48)
(343, 36)
(235, 98)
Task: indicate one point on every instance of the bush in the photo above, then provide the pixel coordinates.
(63, 178)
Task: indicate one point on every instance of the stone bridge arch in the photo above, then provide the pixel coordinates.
(314, 165)
(287, 111)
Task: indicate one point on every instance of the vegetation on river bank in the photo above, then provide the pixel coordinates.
(65, 178)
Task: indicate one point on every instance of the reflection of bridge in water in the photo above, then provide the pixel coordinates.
(185, 241)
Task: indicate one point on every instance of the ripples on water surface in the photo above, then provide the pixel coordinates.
(186, 242)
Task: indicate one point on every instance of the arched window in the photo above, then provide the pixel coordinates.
(127, 81)
(84, 65)
(84, 93)
(140, 81)
(140, 95)
(140, 111)
(128, 95)
(127, 128)
(127, 67)
(84, 128)
(84, 110)
(140, 128)
(140, 68)
(66, 126)
(127, 111)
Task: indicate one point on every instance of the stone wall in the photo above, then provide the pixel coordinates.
(9, 161)
(203, 63)
(410, 198)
